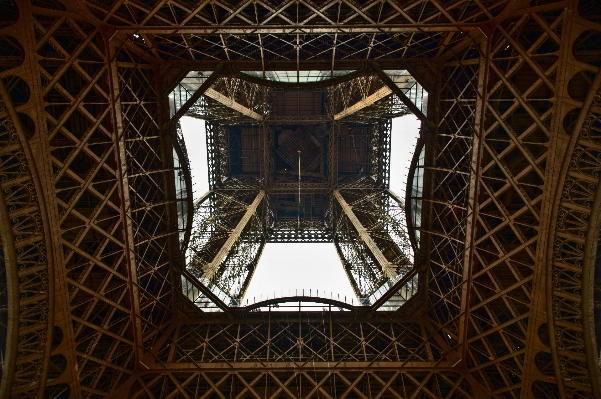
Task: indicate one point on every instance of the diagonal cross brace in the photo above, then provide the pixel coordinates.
(192, 100)
(397, 90)
(366, 102)
(388, 269)
(211, 268)
(228, 102)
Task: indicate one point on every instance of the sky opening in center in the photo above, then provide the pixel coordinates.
(286, 269)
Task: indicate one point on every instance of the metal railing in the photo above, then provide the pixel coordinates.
(300, 299)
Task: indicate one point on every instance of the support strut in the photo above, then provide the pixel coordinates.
(388, 269)
(211, 268)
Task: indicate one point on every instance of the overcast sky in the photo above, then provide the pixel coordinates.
(286, 268)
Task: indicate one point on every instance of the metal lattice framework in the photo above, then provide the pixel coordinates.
(90, 280)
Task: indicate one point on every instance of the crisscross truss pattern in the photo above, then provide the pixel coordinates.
(274, 32)
(215, 217)
(91, 264)
(251, 96)
(380, 214)
(345, 95)
(302, 144)
(308, 384)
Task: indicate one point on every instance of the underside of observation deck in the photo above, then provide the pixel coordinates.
(294, 164)
(96, 207)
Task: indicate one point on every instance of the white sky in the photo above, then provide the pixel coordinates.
(289, 267)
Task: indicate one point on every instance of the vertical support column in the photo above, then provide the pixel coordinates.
(250, 274)
(331, 335)
(388, 269)
(267, 146)
(167, 138)
(51, 301)
(333, 152)
(15, 357)
(380, 162)
(268, 335)
(474, 181)
(429, 136)
(346, 266)
(123, 187)
(548, 276)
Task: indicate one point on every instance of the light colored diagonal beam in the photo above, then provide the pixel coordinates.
(388, 269)
(211, 268)
(228, 102)
(366, 102)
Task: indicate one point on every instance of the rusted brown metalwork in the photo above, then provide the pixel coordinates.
(509, 229)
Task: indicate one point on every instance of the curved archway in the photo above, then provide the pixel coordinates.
(23, 221)
(9, 289)
(572, 249)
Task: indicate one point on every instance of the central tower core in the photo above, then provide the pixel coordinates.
(299, 160)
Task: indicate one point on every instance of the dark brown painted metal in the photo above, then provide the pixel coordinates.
(84, 170)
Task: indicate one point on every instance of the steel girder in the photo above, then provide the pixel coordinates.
(228, 238)
(372, 244)
(92, 228)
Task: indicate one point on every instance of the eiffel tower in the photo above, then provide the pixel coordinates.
(482, 280)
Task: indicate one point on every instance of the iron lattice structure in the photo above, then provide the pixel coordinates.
(91, 273)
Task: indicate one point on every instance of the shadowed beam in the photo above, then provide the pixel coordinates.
(228, 102)
(290, 29)
(192, 100)
(397, 90)
(388, 269)
(211, 268)
(366, 102)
